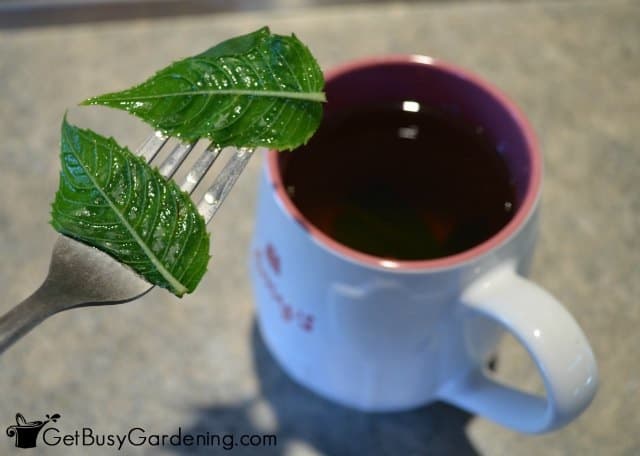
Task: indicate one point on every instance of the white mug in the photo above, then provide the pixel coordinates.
(382, 335)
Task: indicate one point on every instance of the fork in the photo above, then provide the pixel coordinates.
(80, 275)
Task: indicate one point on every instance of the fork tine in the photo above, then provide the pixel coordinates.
(152, 145)
(200, 168)
(223, 183)
(215, 195)
(171, 164)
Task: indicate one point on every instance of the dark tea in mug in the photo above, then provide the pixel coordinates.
(401, 181)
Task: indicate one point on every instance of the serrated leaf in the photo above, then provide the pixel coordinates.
(258, 89)
(113, 200)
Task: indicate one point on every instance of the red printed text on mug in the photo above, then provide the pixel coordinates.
(287, 311)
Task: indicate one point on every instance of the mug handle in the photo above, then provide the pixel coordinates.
(552, 338)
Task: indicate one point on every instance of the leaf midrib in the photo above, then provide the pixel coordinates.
(179, 288)
(304, 96)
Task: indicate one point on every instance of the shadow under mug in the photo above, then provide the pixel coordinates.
(382, 335)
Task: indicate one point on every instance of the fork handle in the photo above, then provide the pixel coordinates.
(29, 313)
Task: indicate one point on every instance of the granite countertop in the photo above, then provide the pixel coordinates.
(198, 363)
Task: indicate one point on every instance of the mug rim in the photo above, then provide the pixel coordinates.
(526, 208)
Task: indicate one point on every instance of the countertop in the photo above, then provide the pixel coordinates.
(160, 363)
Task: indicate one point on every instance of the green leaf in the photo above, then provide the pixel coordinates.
(111, 199)
(258, 89)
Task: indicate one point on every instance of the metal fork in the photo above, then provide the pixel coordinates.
(80, 275)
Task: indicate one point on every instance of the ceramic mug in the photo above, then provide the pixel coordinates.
(382, 335)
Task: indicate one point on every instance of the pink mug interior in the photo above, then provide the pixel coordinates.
(446, 87)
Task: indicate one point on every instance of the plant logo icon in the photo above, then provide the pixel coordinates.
(26, 432)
